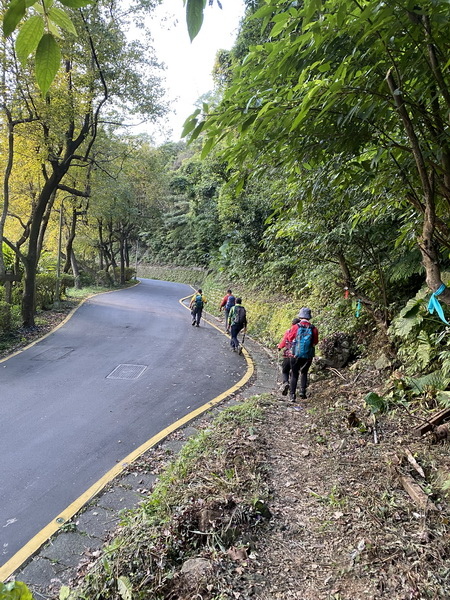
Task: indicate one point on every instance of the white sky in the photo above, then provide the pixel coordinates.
(189, 65)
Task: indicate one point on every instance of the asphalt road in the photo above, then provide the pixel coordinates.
(65, 417)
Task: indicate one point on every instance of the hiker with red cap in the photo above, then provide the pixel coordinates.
(299, 343)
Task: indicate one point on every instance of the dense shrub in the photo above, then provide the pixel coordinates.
(103, 278)
(5, 316)
(45, 290)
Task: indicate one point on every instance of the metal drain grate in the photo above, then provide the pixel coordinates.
(127, 372)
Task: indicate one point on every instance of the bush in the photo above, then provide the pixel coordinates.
(103, 278)
(5, 316)
(45, 290)
(129, 274)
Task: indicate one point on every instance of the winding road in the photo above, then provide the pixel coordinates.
(124, 367)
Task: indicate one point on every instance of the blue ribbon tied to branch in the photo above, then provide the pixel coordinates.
(433, 304)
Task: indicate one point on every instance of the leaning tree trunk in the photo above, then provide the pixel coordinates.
(427, 243)
(75, 270)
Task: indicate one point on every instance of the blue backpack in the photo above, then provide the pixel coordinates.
(230, 302)
(198, 302)
(303, 346)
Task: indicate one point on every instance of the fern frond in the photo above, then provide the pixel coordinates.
(434, 380)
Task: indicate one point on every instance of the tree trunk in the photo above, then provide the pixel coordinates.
(70, 239)
(75, 270)
(427, 243)
(122, 257)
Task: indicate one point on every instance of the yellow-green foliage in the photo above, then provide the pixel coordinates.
(268, 317)
(193, 277)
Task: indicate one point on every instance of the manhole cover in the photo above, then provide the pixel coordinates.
(127, 372)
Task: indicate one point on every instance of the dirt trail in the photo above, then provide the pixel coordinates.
(343, 527)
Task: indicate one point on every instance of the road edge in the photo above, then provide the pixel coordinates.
(36, 542)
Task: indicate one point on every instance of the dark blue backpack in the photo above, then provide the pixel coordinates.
(230, 302)
(303, 346)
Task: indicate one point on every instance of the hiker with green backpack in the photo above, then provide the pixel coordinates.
(196, 305)
(300, 342)
(237, 319)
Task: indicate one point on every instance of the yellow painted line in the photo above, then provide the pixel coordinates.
(44, 534)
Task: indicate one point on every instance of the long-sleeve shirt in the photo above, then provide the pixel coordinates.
(231, 316)
(224, 301)
(290, 335)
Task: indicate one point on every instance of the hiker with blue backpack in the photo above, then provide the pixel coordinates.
(196, 305)
(227, 302)
(299, 343)
(238, 322)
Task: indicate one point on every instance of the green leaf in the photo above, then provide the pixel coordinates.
(124, 588)
(13, 16)
(62, 19)
(207, 147)
(48, 60)
(15, 590)
(76, 3)
(29, 36)
(376, 403)
(197, 131)
(433, 380)
(194, 16)
(64, 592)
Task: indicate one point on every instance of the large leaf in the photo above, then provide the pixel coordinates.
(62, 19)
(124, 587)
(13, 16)
(29, 36)
(14, 590)
(76, 3)
(48, 59)
(194, 16)
(433, 380)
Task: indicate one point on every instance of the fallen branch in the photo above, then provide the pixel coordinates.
(337, 373)
(432, 423)
(416, 493)
(414, 462)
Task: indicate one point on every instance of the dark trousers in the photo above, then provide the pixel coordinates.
(196, 314)
(234, 330)
(291, 369)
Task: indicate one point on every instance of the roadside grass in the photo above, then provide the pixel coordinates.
(210, 499)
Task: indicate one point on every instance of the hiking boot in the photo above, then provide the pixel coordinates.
(292, 398)
(284, 388)
(303, 394)
(193, 323)
(198, 324)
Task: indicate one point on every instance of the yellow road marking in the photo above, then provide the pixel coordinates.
(44, 534)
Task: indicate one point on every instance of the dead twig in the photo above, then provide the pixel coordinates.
(336, 372)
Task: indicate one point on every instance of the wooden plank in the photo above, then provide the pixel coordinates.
(416, 493)
(414, 462)
(432, 422)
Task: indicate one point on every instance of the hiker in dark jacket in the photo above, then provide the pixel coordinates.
(301, 346)
(238, 322)
(196, 305)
